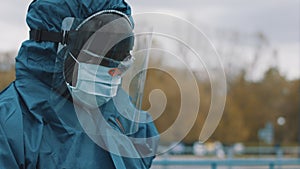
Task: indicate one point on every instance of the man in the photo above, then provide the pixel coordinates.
(66, 107)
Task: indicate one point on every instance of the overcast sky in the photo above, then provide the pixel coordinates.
(279, 20)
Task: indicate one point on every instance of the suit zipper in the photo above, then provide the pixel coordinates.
(120, 125)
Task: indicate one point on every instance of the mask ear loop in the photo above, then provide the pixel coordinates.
(73, 70)
(74, 58)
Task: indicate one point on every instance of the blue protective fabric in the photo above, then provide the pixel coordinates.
(32, 134)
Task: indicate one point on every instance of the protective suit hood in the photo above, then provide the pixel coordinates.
(49, 15)
(32, 133)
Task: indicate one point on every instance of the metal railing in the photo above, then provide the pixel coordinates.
(214, 163)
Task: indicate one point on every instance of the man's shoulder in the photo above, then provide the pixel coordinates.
(9, 103)
(8, 95)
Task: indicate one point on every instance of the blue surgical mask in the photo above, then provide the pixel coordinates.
(94, 86)
(92, 101)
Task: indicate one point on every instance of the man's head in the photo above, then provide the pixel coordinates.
(105, 38)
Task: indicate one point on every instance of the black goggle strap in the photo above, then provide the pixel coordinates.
(47, 36)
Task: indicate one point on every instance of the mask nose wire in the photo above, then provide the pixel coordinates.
(74, 58)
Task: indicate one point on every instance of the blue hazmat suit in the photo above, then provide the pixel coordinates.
(32, 133)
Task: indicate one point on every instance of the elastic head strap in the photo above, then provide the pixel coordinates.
(47, 36)
(63, 36)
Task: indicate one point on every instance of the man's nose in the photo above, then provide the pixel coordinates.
(114, 72)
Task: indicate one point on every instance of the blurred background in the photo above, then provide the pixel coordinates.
(259, 46)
